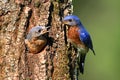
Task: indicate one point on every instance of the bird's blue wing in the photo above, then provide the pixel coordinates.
(86, 39)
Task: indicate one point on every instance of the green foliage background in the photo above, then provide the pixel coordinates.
(102, 19)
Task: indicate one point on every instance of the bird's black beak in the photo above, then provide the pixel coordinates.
(45, 30)
(65, 22)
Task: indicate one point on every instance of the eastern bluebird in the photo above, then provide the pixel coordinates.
(79, 38)
(36, 40)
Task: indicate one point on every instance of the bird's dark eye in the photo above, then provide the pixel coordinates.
(39, 30)
(70, 20)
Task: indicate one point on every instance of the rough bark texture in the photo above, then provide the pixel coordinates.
(17, 17)
(60, 60)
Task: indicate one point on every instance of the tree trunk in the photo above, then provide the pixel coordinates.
(17, 17)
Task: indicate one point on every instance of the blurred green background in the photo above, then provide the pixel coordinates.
(102, 20)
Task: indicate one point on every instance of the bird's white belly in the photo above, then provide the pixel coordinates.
(79, 47)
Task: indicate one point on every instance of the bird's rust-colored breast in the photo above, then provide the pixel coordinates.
(73, 35)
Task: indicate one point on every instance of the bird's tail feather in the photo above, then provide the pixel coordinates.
(93, 51)
(81, 62)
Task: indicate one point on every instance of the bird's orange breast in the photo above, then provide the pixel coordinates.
(73, 35)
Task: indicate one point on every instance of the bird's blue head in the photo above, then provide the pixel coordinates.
(36, 32)
(71, 20)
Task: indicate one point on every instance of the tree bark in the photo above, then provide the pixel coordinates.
(17, 17)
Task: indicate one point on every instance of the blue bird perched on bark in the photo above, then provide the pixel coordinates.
(79, 38)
